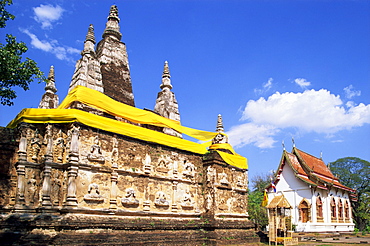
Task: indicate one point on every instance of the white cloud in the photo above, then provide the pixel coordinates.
(250, 133)
(46, 14)
(52, 46)
(350, 92)
(303, 83)
(37, 43)
(266, 86)
(310, 111)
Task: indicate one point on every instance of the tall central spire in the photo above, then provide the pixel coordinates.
(112, 26)
(166, 104)
(112, 56)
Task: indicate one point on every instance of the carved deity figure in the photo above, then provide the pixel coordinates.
(161, 199)
(32, 189)
(56, 184)
(209, 202)
(130, 197)
(60, 146)
(95, 151)
(189, 170)
(187, 200)
(223, 178)
(210, 174)
(35, 145)
(93, 193)
(114, 154)
(75, 133)
(163, 164)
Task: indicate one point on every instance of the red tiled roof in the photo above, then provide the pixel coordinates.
(310, 169)
(315, 164)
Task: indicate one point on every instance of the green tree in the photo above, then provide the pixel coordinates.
(355, 173)
(257, 213)
(14, 71)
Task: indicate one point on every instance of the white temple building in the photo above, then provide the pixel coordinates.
(320, 203)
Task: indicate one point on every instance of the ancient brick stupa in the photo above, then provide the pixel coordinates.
(95, 169)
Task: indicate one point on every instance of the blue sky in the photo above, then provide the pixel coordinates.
(273, 69)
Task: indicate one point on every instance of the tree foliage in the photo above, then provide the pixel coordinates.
(14, 71)
(257, 213)
(355, 173)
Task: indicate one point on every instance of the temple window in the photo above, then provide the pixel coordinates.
(304, 211)
(319, 213)
(340, 209)
(333, 208)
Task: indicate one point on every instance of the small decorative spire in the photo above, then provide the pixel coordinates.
(51, 76)
(321, 154)
(293, 142)
(166, 81)
(166, 70)
(220, 125)
(112, 26)
(90, 34)
(113, 13)
(221, 137)
(283, 144)
(50, 99)
(50, 85)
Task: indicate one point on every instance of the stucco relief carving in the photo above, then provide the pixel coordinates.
(223, 178)
(163, 163)
(95, 151)
(161, 199)
(187, 200)
(32, 189)
(60, 145)
(147, 164)
(35, 145)
(130, 198)
(93, 194)
(223, 205)
(114, 154)
(56, 187)
(189, 170)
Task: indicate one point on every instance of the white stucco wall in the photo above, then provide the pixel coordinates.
(296, 190)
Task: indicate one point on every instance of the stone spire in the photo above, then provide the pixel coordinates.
(112, 26)
(220, 137)
(89, 44)
(166, 104)
(220, 125)
(50, 99)
(87, 72)
(113, 58)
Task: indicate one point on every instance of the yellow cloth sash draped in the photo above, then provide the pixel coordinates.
(238, 160)
(104, 103)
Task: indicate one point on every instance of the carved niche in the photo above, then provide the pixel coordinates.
(163, 163)
(60, 147)
(189, 170)
(93, 195)
(35, 145)
(114, 154)
(187, 200)
(95, 151)
(32, 191)
(130, 198)
(161, 200)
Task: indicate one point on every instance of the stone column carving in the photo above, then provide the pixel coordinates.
(113, 193)
(174, 189)
(21, 169)
(46, 187)
(73, 159)
(49, 144)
